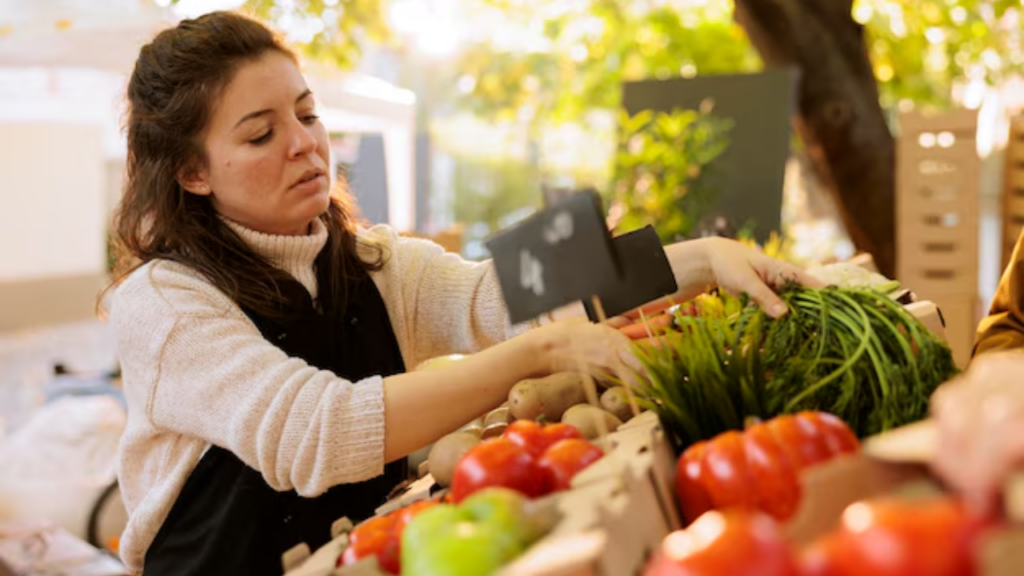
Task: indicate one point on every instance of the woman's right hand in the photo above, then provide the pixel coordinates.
(570, 344)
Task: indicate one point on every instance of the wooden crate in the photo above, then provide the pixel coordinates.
(1013, 188)
(937, 203)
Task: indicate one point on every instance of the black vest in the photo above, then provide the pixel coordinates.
(227, 520)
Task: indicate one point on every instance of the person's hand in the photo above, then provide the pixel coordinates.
(737, 268)
(980, 417)
(573, 344)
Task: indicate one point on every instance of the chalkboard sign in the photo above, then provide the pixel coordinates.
(753, 167)
(560, 255)
(646, 274)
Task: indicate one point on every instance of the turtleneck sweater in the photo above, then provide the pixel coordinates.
(197, 372)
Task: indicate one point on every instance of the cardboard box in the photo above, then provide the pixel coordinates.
(618, 510)
(937, 203)
(1013, 187)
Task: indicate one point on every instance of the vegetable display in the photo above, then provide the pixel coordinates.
(851, 352)
(759, 468)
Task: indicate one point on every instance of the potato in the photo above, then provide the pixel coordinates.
(584, 417)
(446, 454)
(550, 396)
(498, 415)
(616, 401)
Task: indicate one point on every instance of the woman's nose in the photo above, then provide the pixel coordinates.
(302, 140)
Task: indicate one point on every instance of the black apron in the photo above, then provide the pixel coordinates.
(227, 520)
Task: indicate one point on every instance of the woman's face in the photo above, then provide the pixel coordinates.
(267, 152)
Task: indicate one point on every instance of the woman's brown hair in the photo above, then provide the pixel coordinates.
(171, 94)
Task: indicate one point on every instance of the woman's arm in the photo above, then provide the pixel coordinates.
(194, 365)
(1003, 328)
(423, 406)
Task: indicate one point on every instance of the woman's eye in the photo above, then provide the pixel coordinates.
(262, 139)
(309, 118)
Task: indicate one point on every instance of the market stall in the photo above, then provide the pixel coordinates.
(746, 446)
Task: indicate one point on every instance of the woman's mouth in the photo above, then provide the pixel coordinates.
(310, 179)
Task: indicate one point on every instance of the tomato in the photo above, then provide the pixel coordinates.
(381, 536)
(727, 543)
(760, 467)
(389, 557)
(888, 537)
(405, 514)
(498, 462)
(565, 458)
(367, 539)
(535, 438)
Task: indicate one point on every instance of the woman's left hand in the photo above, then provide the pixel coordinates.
(736, 269)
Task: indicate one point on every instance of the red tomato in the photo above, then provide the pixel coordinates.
(371, 526)
(382, 536)
(567, 457)
(828, 556)
(404, 515)
(389, 557)
(729, 543)
(498, 462)
(760, 467)
(935, 537)
(535, 438)
(367, 539)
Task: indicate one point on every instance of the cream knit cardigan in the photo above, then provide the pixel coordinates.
(197, 372)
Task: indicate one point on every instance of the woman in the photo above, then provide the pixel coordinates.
(264, 337)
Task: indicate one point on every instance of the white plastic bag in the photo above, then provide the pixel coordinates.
(58, 463)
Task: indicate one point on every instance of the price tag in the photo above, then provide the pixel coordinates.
(558, 256)
(646, 274)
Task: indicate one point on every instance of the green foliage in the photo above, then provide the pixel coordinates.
(343, 28)
(849, 351)
(663, 169)
(595, 46)
(920, 48)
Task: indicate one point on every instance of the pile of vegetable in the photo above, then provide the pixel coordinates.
(431, 538)
(852, 352)
(932, 536)
(557, 398)
(532, 459)
(759, 468)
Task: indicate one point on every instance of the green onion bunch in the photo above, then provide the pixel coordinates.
(852, 352)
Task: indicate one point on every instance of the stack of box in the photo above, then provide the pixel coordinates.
(1013, 188)
(938, 219)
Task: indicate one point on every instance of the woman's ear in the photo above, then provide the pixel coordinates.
(195, 181)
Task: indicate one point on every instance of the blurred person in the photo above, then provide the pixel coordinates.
(980, 417)
(1003, 328)
(264, 336)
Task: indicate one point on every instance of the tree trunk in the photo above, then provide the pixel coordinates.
(839, 116)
